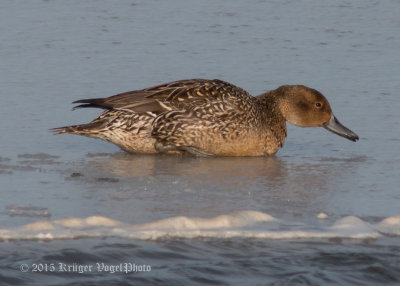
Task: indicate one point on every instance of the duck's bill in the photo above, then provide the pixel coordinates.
(336, 127)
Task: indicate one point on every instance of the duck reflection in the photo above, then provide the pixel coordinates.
(243, 169)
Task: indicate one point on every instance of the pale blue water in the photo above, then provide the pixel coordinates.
(55, 52)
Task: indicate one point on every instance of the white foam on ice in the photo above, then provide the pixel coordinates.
(246, 224)
(390, 226)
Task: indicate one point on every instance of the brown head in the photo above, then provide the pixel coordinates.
(307, 107)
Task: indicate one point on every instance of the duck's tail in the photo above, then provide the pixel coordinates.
(89, 129)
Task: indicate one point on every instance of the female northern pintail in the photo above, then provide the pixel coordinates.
(206, 117)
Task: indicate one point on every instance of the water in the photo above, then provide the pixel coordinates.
(323, 211)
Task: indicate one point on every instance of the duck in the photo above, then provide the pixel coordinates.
(205, 118)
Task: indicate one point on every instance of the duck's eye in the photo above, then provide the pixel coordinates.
(318, 104)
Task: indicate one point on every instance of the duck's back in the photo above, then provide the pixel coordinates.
(183, 94)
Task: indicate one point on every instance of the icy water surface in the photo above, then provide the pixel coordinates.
(78, 211)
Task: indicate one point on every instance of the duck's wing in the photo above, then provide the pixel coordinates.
(183, 94)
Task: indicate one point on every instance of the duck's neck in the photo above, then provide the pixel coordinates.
(276, 101)
(271, 113)
(269, 103)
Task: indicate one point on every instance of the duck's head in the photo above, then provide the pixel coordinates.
(307, 107)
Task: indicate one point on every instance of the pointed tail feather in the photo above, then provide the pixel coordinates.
(74, 129)
(92, 102)
(82, 129)
(58, 130)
